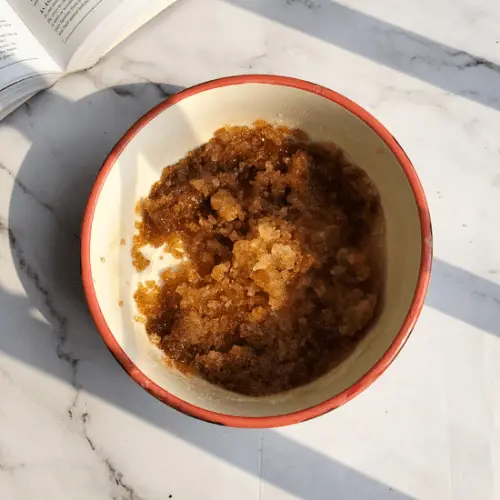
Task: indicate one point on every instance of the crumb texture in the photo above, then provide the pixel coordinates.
(280, 279)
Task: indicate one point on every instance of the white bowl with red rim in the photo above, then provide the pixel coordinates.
(182, 123)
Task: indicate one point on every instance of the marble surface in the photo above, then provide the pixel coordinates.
(73, 425)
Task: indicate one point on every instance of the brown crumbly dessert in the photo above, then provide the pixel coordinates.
(281, 278)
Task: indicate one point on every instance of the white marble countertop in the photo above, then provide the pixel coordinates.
(72, 423)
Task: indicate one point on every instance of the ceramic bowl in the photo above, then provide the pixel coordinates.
(166, 134)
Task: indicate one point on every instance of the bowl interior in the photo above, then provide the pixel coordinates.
(184, 126)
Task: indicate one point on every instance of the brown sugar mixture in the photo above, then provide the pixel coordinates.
(280, 276)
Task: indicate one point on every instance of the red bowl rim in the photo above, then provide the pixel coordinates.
(331, 403)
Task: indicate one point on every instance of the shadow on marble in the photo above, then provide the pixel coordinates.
(453, 70)
(69, 142)
(465, 296)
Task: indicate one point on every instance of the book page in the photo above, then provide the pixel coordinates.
(129, 17)
(21, 55)
(62, 26)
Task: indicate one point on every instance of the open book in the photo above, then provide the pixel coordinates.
(42, 40)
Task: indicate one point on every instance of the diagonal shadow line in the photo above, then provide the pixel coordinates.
(453, 70)
(69, 347)
(465, 296)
